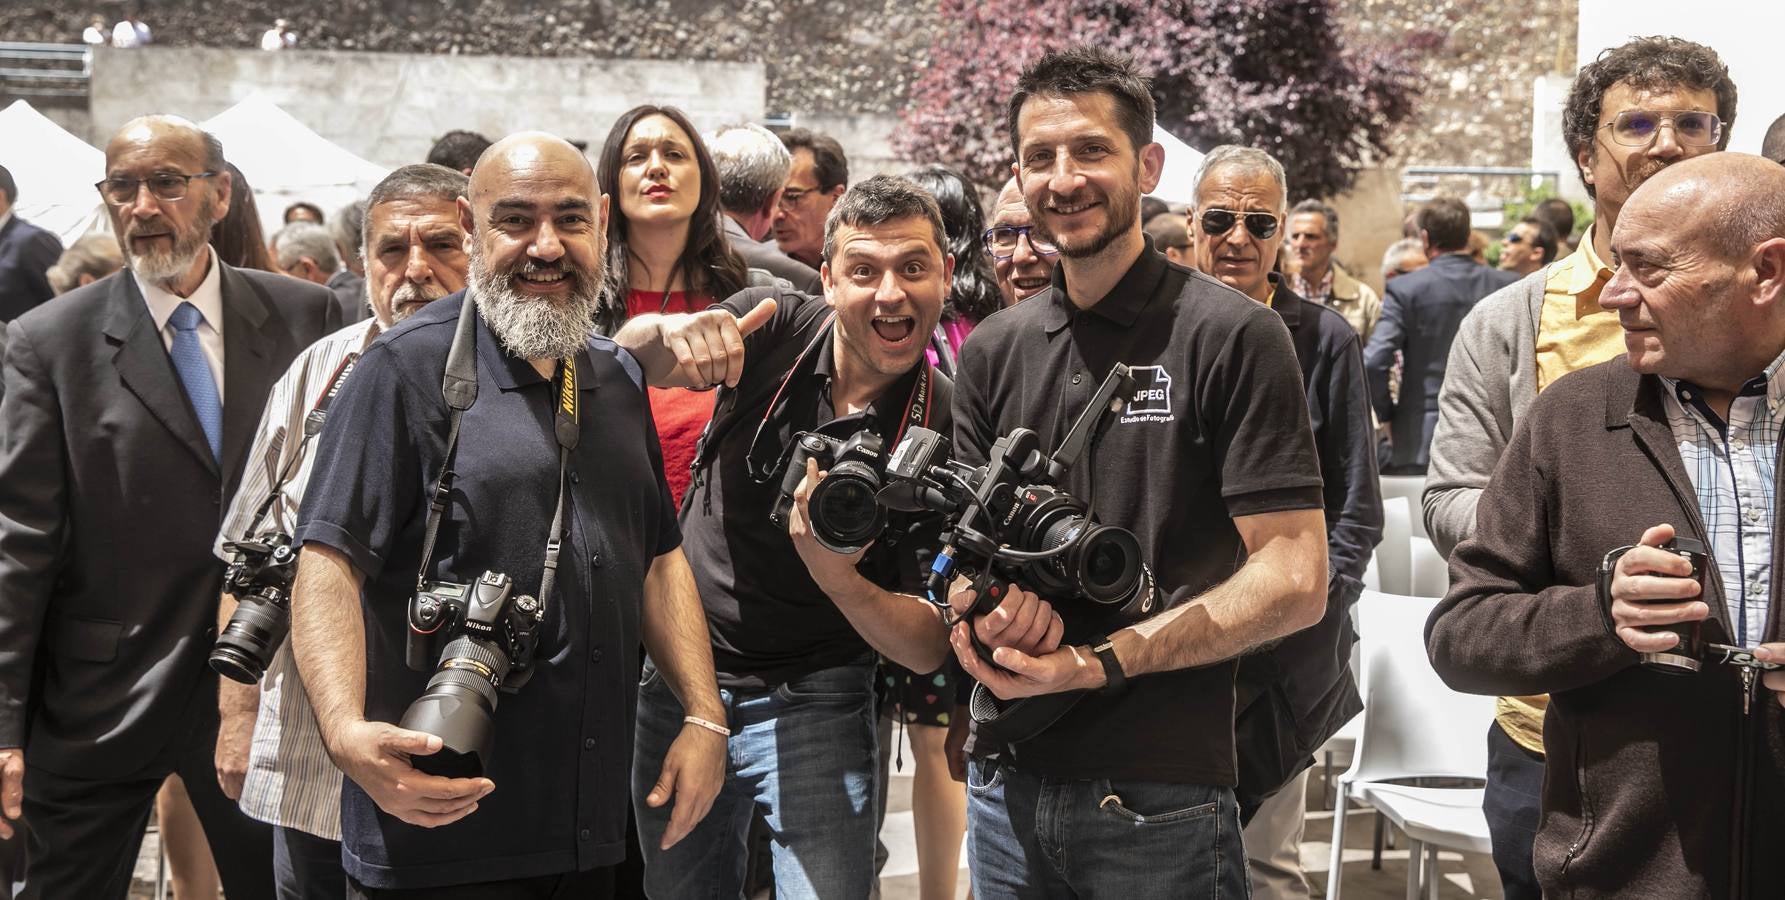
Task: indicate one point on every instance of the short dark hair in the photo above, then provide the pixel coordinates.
(1152, 207)
(458, 150)
(1327, 213)
(829, 165)
(883, 199)
(1647, 63)
(1546, 237)
(1084, 69)
(417, 181)
(8, 187)
(1559, 214)
(307, 206)
(1445, 221)
(1773, 145)
(973, 295)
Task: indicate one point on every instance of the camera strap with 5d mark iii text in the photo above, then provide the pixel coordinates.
(459, 387)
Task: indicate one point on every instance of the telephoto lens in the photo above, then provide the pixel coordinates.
(260, 580)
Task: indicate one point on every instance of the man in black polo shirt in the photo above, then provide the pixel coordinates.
(1210, 458)
(1295, 695)
(795, 626)
(548, 816)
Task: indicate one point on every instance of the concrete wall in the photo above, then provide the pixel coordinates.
(390, 107)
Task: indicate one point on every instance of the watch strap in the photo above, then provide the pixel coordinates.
(1115, 680)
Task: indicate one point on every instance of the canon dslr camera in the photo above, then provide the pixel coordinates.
(484, 637)
(844, 515)
(259, 576)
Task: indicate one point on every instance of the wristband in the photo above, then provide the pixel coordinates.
(714, 727)
(1114, 679)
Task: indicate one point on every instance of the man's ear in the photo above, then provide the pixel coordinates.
(224, 185)
(824, 278)
(1584, 162)
(1769, 271)
(467, 223)
(1152, 166)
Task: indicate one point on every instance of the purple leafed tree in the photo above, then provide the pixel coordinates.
(1273, 74)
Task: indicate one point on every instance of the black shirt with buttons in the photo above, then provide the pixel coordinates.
(563, 754)
(770, 621)
(1216, 428)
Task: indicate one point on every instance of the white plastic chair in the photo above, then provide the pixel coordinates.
(1413, 487)
(1431, 574)
(1414, 727)
(1391, 564)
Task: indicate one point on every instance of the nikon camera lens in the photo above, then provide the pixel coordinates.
(458, 706)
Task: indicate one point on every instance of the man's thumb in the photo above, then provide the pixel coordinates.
(414, 743)
(1657, 535)
(758, 317)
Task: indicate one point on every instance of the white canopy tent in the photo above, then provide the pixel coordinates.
(55, 172)
(284, 161)
(1177, 183)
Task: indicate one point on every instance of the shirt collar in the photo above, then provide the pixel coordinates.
(208, 297)
(1770, 383)
(1323, 289)
(1124, 302)
(1580, 273)
(5, 217)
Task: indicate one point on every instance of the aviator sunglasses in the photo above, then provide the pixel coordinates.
(1217, 222)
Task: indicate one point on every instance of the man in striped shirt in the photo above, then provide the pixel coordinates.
(414, 253)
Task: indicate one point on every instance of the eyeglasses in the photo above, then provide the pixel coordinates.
(1000, 241)
(1638, 127)
(1217, 222)
(167, 186)
(791, 197)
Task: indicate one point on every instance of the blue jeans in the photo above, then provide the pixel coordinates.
(1030, 836)
(804, 754)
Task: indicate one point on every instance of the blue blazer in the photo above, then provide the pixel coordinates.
(1421, 312)
(26, 253)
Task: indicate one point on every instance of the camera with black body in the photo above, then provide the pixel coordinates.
(1009, 521)
(842, 508)
(1693, 651)
(478, 639)
(259, 577)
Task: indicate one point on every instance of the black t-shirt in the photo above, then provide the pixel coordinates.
(769, 620)
(563, 754)
(1217, 427)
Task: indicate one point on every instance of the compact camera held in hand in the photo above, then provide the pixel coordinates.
(259, 577)
(478, 639)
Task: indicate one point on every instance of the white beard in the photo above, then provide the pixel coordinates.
(163, 268)
(535, 327)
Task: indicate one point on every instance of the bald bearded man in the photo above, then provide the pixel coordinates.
(1657, 785)
(559, 427)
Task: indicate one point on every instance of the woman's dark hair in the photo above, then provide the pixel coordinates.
(974, 293)
(708, 264)
(238, 239)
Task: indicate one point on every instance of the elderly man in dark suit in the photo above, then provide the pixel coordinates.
(128, 410)
(753, 166)
(1421, 312)
(26, 253)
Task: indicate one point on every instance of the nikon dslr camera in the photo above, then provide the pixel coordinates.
(259, 577)
(845, 516)
(477, 639)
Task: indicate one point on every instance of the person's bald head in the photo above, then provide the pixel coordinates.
(166, 183)
(1700, 284)
(1773, 145)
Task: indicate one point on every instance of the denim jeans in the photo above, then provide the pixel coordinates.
(804, 754)
(1031, 836)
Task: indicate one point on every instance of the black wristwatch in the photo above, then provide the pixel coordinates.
(1114, 680)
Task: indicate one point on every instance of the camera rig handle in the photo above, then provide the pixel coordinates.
(1110, 396)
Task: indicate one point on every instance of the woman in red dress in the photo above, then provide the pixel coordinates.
(665, 252)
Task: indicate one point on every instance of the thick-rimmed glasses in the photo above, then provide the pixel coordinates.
(1217, 222)
(169, 186)
(1691, 127)
(1000, 241)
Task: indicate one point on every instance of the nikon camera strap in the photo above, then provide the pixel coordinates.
(459, 387)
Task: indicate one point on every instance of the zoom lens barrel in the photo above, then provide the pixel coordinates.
(248, 642)
(459, 706)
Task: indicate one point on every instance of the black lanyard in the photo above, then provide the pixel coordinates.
(459, 387)
(917, 408)
(312, 427)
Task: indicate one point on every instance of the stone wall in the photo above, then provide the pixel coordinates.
(390, 107)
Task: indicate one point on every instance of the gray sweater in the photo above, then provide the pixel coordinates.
(1489, 385)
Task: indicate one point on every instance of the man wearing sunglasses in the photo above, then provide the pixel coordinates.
(1293, 697)
(1529, 246)
(130, 405)
(1636, 109)
(1420, 315)
(1210, 459)
(1022, 259)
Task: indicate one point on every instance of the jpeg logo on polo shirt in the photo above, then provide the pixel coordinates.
(1151, 399)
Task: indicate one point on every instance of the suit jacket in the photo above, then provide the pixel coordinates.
(110, 500)
(350, 293)
(766, 256)
(26, 253)
(1421, 312)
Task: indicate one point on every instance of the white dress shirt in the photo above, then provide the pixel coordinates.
(209, 300)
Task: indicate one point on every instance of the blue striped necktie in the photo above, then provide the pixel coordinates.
(195, 375)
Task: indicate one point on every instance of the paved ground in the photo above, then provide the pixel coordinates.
(1464, 876)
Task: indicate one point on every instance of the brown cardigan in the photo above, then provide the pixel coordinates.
(1651, 788)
